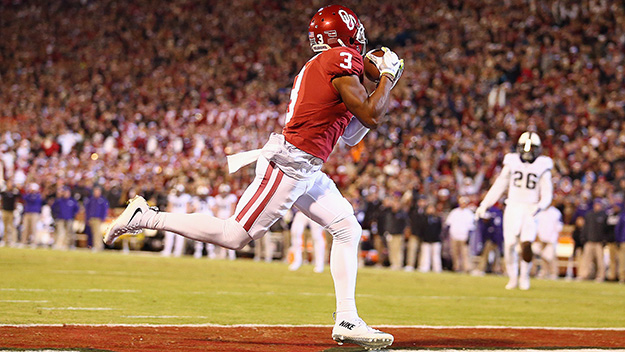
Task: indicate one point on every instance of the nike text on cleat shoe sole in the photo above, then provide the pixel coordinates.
(369, 343)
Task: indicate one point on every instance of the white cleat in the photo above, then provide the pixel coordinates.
(294, 266)
(524, 283)
(512, 284)
(356, 331)
(128, 221)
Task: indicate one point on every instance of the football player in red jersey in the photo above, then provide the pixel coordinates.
(328, 102)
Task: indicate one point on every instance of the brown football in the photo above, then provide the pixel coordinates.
(371, 71)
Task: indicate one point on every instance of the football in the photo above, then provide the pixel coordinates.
(371, 71)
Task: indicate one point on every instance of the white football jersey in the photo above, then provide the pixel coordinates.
(224, 205)
(178, 202)
(203, 205)
(524, 177)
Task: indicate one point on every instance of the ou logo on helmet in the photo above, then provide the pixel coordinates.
(349, 20)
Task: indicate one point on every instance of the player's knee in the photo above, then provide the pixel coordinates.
(345, 230)
(526, 251)
(235, 236)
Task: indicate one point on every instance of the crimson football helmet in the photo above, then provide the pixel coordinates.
(334, 26)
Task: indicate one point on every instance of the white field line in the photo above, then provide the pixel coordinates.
(94, 290)
(485, 327)
(20, 301)
(163, 317)
(76, 308)
(106, 272)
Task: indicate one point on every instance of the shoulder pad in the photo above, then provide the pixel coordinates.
(511, 158)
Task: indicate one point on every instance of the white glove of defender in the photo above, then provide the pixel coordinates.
(534, 210)
(389, 63)
(480, 212)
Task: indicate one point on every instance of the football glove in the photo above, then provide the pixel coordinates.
(389, 64)
(480, 212)
(534, 210)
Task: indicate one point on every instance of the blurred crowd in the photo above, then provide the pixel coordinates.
(136, 98)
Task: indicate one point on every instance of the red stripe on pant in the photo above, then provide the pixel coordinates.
(263, 204)
(260, 190)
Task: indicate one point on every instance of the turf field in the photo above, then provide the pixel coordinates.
(141, 290)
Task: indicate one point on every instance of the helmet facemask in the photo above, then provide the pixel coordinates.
(529, 147)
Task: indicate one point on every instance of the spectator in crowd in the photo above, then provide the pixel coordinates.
(460, 222)
(96, 211)
(613, 211)
(32, 209)
(371, 214)
(64, 210)
(549, 225)
(394, 223)
(9, 197)
(491, 229)
(576, 259)
(594, 235)
(418, 222)
(430, 259)
(620, 241)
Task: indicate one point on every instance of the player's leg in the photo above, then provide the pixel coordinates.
(511, 231)
(425, 262)
(168, 244)
(324, 204)
(297, 239)
(265, 200)
(411, 253)
(319, 245)
(437, 261)
(528, 236)
(199, 248)
(179, 246)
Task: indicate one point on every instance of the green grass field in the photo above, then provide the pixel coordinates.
(81, 287)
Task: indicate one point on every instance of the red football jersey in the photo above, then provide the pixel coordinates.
(316, 116)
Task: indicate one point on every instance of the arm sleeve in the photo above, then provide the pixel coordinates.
(546, 191)
(354, 132)
(497, 189)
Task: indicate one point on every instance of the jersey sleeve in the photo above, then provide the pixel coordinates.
(343, 62)
(511, 159)
(546, 163)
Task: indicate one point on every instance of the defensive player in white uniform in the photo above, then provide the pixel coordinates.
(224, 206)
(177, 202)
(328, 102)
(298, 225)
(549, 222)
(527, 176)
(203, 203)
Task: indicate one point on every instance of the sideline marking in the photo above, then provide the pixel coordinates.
(163, 316)
(67, 290)
(77, 308)
(314, 326)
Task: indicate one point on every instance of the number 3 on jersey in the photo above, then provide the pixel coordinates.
(530, 180)
(347, 62)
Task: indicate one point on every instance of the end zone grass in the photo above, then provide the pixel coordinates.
(80, 287)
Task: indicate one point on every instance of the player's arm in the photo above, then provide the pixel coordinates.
(368, 109)
(546, 191)
(495, 192)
